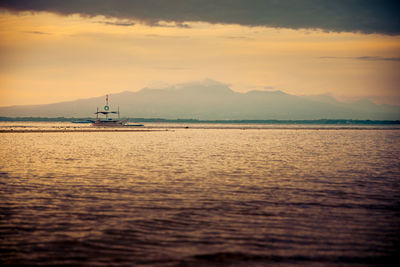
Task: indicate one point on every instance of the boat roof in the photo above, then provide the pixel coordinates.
(106, 112)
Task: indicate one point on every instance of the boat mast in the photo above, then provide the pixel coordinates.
(106, 107)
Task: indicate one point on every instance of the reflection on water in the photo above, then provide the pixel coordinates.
(200, 197)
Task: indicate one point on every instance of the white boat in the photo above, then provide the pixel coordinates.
(106, 121)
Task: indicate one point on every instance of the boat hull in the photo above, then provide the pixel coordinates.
(109, 123)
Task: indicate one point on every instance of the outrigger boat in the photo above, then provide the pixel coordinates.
(108, 122)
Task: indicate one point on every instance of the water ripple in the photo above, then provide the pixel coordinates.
(200, 197)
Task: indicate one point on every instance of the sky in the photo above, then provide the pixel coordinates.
(54, 51)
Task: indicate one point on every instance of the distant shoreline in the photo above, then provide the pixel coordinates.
(160, 120)
(81, 130)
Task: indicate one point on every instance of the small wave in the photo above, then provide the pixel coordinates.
(239, 257)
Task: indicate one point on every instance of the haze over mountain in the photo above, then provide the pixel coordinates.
(211, 100)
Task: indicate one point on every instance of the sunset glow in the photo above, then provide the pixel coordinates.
(48, 58)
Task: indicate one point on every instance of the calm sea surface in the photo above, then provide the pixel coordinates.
(207, 196)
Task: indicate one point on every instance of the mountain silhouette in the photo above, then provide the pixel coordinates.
(211, 100)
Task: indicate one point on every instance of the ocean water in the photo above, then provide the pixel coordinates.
(202, 196)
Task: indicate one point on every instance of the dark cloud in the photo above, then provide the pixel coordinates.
(367, 16)
(367, 58)
(379, 58)
(118, 23)
(36, 32)
(175, 25)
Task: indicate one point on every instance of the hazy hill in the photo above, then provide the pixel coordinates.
(211, 100)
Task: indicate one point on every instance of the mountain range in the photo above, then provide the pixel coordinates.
(212, 100)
